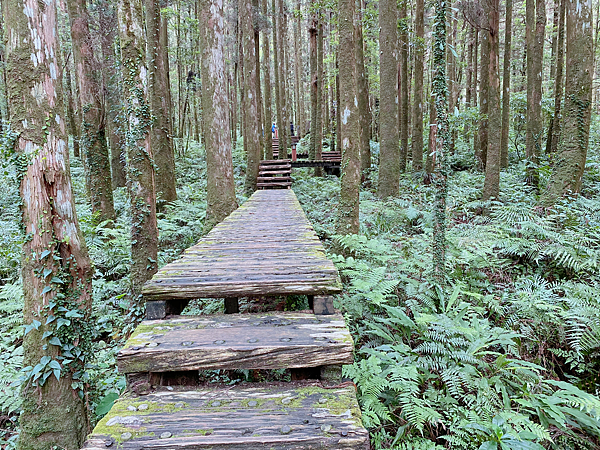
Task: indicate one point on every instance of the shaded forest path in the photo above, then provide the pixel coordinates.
(266, 247)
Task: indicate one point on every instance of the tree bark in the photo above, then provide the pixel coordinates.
(506, 85)
(535, 29)
(389, 153)
(417, 121)
(56, 270)
(481, 149)
(158, 90)
(363, 101)
(474, 94)
(220, 185)
(251, 132)
(320, 102)
(71, 120)
(570, 164)
(440, 169)
(297, 68)
(347, 220)
(112, 92)
(93, 131)
(284, 128)
(266, 51)
(140, 163)
(313, 31)
(403, 85)
(555, 121)
(491, 187)
(261, 126)
(277, 71)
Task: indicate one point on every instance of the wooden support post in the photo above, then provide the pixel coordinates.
(160, 309)
(322, 305)
(331, 375)
(232, 305)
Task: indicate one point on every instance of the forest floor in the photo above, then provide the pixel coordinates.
(507, 354)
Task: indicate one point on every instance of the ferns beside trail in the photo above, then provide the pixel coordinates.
(477, 367)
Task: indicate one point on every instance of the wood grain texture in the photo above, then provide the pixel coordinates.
(237, 341)
(265, 247)
(242, 417)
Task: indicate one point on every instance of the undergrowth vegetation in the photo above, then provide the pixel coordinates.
(507, 356)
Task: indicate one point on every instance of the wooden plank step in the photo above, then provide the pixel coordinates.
(244, 417)
(274, 161)
(275, 167)
(277, 172)
(267, 179)
(283, 185)
(237, 341)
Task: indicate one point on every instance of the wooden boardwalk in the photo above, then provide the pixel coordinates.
(267, 247)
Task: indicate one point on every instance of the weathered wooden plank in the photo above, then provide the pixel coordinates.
(247, 417)
(234, 289)
(268, 242)
(237, 341)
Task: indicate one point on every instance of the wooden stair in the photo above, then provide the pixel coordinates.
(274, 174)
(262, 416)
(167, 407)
(275, 145)
(237, 341)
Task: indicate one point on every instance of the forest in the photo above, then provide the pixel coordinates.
(464, 222)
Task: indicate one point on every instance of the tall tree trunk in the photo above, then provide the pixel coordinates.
(93, 132)
(555, 122)
(417, 121)
(363, 100)
(347, 220)
(474, 95)
(313, 31)
(298, 66)
(481, 150)
(491, 187)
(158, 89)
(71, 120)
(266, 52)
(554, 42)
(535, 30)
(338, 111)
(276, 69)
(56, 270)
(404, 85)
(389, 154)
(112, 92)
(506, 85)
(469, 86)
(251, 134)
(452, 72)
(140, 163)
(431, 142)
(284, 128)
(220, 186)
(234, 107)
(262, 126)
(440, 169)
(570, 164)
(320, 102)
